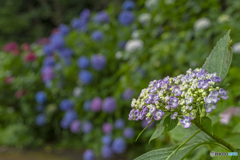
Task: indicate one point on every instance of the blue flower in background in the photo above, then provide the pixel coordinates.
(83, 62)
(63, 29)
(119, 145)
(109, 105)
(88, 155)
(40, 97)
(87, 105)
(85, 15)
(127, 94)
(119, 123)
(98, 62)
(57, 40)
(126, 18)
(87, 127)
(97, 36)
(106, 152)
(106, 139)
(101, 17)
(68, 118)
(128, 5)
(66, 53)
(107, 128)
(48, 49)
(66, 104)
(85, 76)
(77, 24)
(49, 61)
(121, 44)
(47, 74)
(128, 132)
(40, 119)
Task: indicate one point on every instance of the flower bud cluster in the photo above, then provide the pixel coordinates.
(181, 96)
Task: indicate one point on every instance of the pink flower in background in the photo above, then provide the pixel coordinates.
(54, 31)
(8, 79)
(20, 93)
(228, 113)
(26, 47)
(30, 57)
(42, 41)
(96, 104)
(11, 47)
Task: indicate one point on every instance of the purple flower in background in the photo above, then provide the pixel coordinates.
(47, 74)
(228, 113)
(223, 94)
(106, 139)
(127, 94)
(49, 61)
(63, 29)
(121, 44)
(106, 152)
(98, 62)
(128, 132)
(75, 126)
(126, 18)
(87, 105)
(68, 118)
(85, 15)
(40, 97)
(40, 119)
(87, 127)
(109, 105)
(88, 155)
(128, 5)
(119, 124)
(83, 62)
(97, 36)
(145, 123)
(57, 41)
(48, 49)
(107, 128)
(96, 104)
(186, 122)
(101, 17)
(119, 145)
(85, 76)
(66, 104)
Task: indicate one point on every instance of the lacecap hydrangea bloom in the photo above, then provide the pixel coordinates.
(181, 96)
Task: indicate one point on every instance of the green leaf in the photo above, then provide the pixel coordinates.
(142, 131)
(236, 129)
(236, 157)
(169, 124)
(178, 152)
(159, 129)
(220, 58)
(207, 123)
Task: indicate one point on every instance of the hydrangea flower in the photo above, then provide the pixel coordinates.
(181, 95)
(76, 23)
(106, 139)
(144, 18)
(75, 126)
(68, 118)
(128, 5)
(101, 17)
(85, 15)
(119, 145)
(202, 23)
(66, 104)
(98, 62)
(121, 44)
(41, 97)
(127, 94)
(57, 40)
(87, 105)
(96, 104)
(48, 49)
(85, 77)
(106, 152)
(226, 116)
(77, 91)
(126, 18)
(88, 155)
(133, 45)
(40, 119)
(236, 48)
(107, 128)
(97, 36)
(49, 61)
(87, 127)
(109, 105)
(128, 132)
(63, 29)
(83, 62)
(119, 124)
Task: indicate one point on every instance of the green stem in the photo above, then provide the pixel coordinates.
(216, 138)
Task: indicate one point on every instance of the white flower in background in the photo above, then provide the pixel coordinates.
(118, 55)
(236, 47)
(149, 4)
(168, 2)
(202, 23)
(135, 34)
(77, 91)
(133, 45)
(223, 18)
(144, 18)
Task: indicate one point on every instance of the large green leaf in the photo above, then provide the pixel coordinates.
(236, 157)
(207, 123)
(220, 58)
(173, 153)
(169, 124)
